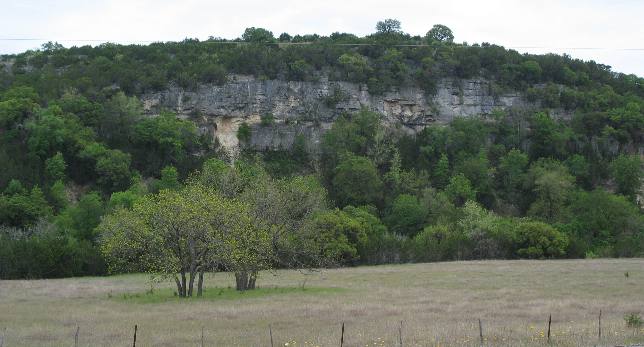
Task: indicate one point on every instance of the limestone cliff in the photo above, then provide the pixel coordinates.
(308, 108)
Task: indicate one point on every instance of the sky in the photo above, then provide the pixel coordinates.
(606, 31)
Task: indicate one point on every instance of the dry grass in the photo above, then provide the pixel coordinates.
(439, 304)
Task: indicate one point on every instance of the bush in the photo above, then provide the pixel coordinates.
(439, 242)
(338, 235)
(406, 215)
(44, 252)
(379, 246)
(338, 95)
(356, 182)
(267, 119)
(244, 133)
(537, 240)
(633, 320)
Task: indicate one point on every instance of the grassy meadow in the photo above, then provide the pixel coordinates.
(439, 304)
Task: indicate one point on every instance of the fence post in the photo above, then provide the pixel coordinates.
(549, 323)
(2, 337)
(481, 331)
(135, 329)
(342, 336)
(599, 333)
(270, 331)
(76, 336)
(400, 333)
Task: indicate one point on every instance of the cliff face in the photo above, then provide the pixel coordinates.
(309, 108)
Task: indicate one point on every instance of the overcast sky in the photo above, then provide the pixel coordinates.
(609, 32)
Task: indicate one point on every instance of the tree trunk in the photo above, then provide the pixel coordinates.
(183, 284)
(241, 279)
(251, 280)
(200, 284)
(191, 282)
(176, 279)
(245, 280)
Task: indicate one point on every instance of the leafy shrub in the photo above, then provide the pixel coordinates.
(406, 215)
(338, 95)
(438, 242)
(267, 119)
(244, 133)
(539, 240)
(633, 320)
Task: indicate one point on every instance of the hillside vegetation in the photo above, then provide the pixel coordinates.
(84, 172)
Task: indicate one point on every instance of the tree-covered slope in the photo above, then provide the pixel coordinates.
(75, 145)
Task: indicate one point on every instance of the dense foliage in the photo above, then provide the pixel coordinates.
(76, 149)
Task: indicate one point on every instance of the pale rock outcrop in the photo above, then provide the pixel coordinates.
(305, 107)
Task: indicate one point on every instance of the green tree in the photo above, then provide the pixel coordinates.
(111, 167)
(258, 35)
(356, 182)
(436, 243)
(356, 67)
(391, 69)
(459, 190)
(58, 196)
(627, 172)
(440, 33)
(116, 125)
(88, 112)
(580, 168)
(80, 219)
(51, 132)
(15, 187)
(23, 208)
(354, 134)
(531, 71)
(379, 245)
(338, 235)
(169, 179)
(113, 170)
(629, 119)
(467, 136)
(17, 104)
(55, 168)
(552, 187)
(474, 226)
(547, 138)
(539, 240)
(406, 215)
(282, 206)
(127, 199)
(285, 37)
(41, 251)
(388, 26)
(300, 70)
(477, 170)
(183, 233)
(605, 224)
(440, 174)
(440, 209)
(511, 175)
(165, 140)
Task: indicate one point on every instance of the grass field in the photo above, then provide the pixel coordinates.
(439, 304)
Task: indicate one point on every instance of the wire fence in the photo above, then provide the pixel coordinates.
(483, 336)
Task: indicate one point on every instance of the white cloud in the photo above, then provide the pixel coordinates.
(549, 23)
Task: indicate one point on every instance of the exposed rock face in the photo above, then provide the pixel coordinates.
(6, 64)
(308, 108)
